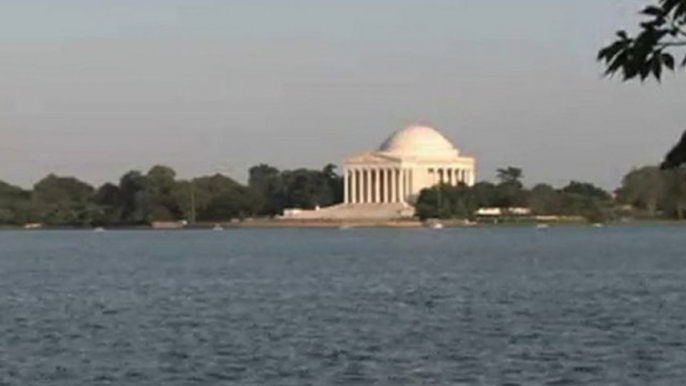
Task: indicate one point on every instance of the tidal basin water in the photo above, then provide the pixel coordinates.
(470, 306)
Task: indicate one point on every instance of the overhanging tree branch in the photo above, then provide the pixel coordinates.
(647, 53)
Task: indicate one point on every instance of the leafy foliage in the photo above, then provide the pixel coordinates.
(659, 44)
(15, 205)
(158, 195)
(64, 201)
(654, 48)
(446, 201)
(141, 198)
(462, 202)
(300, 188)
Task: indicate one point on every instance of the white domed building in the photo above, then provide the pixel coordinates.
(383, 184)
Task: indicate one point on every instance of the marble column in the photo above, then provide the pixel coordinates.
(403, 184)
(409, 183)
(352, 186)
(379, 185)
(387, 185)
(361, 200)
(392, 185)
(365, 190)
(346, 184)
(396, 185)
(376, 185)
(356, 183)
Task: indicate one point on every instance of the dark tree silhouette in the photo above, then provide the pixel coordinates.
(676, 156)
(659, 44)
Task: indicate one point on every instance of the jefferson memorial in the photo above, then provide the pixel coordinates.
(383, 184)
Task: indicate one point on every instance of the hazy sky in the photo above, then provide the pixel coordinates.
(94, 88)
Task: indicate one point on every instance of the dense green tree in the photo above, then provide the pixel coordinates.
(510, 175)
(299, 188)
(335, 182)
(643, 188)
(159, 193)
(545, 200)
(674, 200)
(135, 200)
(237, 202)
(509, 192)
(150, 197)
(485, 194)
(109, 198)
(219, 198)
(586, 189)
(307, 189)
(15, 205)
(64, 201)
(587, 200)
(268, 182)
(446, 201)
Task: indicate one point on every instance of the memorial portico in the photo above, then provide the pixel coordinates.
(412, 159)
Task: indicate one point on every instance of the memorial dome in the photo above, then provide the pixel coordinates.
(418, 140)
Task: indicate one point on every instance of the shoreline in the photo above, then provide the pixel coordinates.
(272, 223)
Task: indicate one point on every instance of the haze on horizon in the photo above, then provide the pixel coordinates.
(96, 88)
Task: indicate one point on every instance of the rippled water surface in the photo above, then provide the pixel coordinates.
(477, 306)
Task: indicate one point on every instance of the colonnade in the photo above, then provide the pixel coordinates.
(382, 185)
(377, 185)
(451, 176)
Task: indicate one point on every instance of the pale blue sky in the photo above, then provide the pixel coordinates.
(95, 88)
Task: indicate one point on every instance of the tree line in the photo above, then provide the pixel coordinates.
(142, 198)
(645, 193)
(158, 195)
(578, 199)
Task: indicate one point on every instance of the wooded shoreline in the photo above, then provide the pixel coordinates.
(142, 199)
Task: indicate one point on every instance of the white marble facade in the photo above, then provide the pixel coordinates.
(411, 159)
(384, 184)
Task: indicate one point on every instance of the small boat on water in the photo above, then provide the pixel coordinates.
(217, 227)
(98, 230)
(542, 226)
(345, 227)
(598, 225)
(436, 225)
